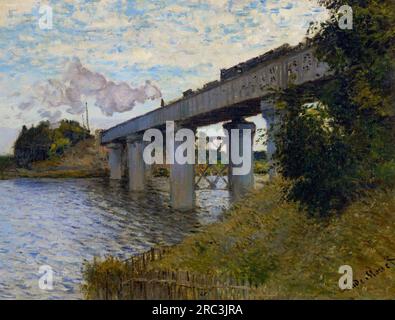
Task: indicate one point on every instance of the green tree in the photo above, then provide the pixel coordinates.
(32, 144)
(337, 138)
(40, 142)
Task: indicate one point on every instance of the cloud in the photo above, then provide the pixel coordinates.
(178, 44)
(84, 80)
(10, 11)
(78, 82)
(26, 105)
(7, 138)
(51, 116)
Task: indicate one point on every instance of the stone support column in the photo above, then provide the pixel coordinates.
(182, 181)
(241, 164)
(115, 161)
(136, 165)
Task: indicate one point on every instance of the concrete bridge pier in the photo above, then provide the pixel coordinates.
(136, 166)
(182, 183)
(272, 122)
(241, 184)
(115, 160)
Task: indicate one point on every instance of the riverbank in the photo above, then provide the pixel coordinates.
(84, 160)
(87, 159)
(283, 252)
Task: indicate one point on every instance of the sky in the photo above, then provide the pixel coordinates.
(123, 56)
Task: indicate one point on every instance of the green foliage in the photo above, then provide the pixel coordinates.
(261, 167)
(336, 138)
(109, 273)
(58, 147)
(41, 142)
(5, 163)
(385, 173)
(72, 131)
(290, 254)
(272, 244)
(161, 172)
(32, 144)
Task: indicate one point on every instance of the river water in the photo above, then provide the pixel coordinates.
(60, 223)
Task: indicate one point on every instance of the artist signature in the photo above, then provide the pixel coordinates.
(372, 273)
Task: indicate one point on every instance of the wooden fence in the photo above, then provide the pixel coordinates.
(139, 284)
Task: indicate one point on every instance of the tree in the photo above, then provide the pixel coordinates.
(32, 144)
(41, 142)
(337, 138)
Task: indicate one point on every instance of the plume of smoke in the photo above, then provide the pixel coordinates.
(78, 81)
(121, 97)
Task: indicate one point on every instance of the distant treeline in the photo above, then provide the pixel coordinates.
(42, 142)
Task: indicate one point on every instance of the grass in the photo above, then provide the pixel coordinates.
(60, 174)
(6, 162)
(84, 160)
(261, 167)
(290, 255)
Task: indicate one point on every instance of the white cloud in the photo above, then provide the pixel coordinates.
(181, 44)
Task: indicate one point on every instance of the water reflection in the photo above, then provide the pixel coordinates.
(62, 222)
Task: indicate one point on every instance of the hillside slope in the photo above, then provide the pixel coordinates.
(85, 159)
(290, 255)
(282, 251)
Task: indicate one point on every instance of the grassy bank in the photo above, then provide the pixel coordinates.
(88, 160)
(84, 160)
(286, 253)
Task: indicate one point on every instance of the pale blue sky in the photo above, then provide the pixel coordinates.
(173, 44)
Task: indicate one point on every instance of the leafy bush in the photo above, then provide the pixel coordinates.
(58, 147)
(336, 138)
(32, 144)
(5, 163)
(40, 142)
(261, 167)
(104, 275)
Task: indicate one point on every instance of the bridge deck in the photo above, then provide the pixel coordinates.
(237, 95)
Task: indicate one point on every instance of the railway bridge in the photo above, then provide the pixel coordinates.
(241, 92)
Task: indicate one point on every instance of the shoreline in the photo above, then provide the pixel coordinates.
(53, 174)
(254, 247)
